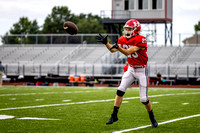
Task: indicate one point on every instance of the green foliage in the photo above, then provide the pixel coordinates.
(54, 21)
(53, 24)
(23, 26)
(90, 24)
(197, 27)
(86, 23)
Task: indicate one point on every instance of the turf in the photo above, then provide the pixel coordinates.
(86, 110)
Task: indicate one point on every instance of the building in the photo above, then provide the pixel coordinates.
(145, 11)
(192, 41)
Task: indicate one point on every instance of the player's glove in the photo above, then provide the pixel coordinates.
(102, 39)
(115, 45)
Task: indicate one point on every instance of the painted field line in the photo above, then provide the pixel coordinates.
(161, 123)
(92, 101)
(25, 94)
(35, 118)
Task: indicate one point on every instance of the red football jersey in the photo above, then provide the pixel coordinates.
(125, 68)
(140, 57)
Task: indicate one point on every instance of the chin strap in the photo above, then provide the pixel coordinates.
(128, 36)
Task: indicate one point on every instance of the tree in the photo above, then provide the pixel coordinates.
(54, 22)
(86, 24)
(197, 27)
(24, 26)
(90, 24)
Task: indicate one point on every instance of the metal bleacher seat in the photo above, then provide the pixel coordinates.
(88, 56)
(161, 54)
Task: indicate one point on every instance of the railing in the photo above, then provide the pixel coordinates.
(55, 38)
(157, 40)
(167, 70)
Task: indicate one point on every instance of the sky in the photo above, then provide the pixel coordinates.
(186, 13)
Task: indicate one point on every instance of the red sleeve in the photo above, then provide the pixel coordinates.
(142, 42)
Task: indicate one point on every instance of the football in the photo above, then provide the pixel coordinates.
(70, 28)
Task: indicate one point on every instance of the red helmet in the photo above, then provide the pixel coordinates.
(135, 28)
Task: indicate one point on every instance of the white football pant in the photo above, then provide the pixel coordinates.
(142, 75)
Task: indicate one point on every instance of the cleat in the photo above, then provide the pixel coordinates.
(154, 123)
(112, 119)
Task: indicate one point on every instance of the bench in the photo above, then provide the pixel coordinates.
(170, 81)
(115, 80)
(109, 80)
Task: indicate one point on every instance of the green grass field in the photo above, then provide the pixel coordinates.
(86, 110)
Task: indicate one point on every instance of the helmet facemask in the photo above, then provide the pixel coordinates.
(128, 31)
(132, 28)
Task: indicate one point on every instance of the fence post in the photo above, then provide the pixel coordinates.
(18, 68)
(51, 39)
(36, 38)
(40, 70)
(23, 69)
(6, 69)
(187, 71)
(75, 69)
(168, 70)
(93, 70)
(195, 70)
(21, 39)
(58, 69)
(81, 38)
(68, 68)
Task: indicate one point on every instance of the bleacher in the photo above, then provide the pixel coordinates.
(37, 54)
(81, 58)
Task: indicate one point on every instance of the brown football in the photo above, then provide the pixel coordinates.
(70, 28)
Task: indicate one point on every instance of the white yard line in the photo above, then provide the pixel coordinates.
(161, 123)
(185, 103)
(25, 94)
(93, 101)
(35, 118)
(66, 100)
(6, 117)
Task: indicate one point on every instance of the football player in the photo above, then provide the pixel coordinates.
(134, 46)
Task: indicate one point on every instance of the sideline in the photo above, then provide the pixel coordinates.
(161, 123)
(41, 93)
(92, 101)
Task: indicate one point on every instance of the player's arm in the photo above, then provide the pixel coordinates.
(129, 51)
(124, 51)
(104, 40)
(109, 46)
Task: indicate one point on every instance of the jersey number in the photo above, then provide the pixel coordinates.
(135, 55)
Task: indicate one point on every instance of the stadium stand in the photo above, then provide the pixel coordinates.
(160, 54)
(81, 58)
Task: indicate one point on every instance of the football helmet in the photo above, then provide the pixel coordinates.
(134, 26)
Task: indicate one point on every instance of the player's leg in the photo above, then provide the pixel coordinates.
(127, 79)
(143, 83)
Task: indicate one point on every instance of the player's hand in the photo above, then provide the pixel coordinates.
(102, 39)
(116, 46)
